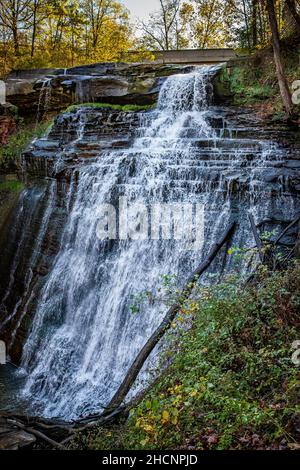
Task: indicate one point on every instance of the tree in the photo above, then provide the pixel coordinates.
(108, 32)
(254, 22)
(283, 85)
(74, 28)
(210, 23)
(14, 15)
(162, 29)
(36, 10)
(96, 11)
(60, 33)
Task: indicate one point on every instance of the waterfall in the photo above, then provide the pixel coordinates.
(84, 335)
(44, 99)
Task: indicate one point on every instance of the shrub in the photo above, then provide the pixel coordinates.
(11, 152)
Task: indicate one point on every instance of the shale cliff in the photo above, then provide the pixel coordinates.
(61, 283)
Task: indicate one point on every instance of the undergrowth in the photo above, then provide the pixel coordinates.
(11, 186)
(232, 383)
(11, 152)
(254, 82)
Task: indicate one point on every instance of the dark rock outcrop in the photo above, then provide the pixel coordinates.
(77, 136)
(46, 91)
(14, 438)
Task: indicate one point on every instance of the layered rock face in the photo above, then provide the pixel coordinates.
(230, 162)
(50, 90)
(77, 287)
(78, 136)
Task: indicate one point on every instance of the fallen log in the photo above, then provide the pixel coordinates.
(279, 237)
(38, 434)
(139, 361)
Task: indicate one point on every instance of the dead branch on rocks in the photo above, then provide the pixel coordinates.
(167, 321)
(281, 235)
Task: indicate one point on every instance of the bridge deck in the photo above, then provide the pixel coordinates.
(192, 56)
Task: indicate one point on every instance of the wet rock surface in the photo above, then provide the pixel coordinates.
(45, 91)
(84, 134)
(80, 137)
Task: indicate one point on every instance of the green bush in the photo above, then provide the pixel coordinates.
(248, 84)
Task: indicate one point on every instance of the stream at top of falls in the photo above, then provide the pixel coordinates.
(84, 335)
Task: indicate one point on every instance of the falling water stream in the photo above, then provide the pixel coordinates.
(84, 335)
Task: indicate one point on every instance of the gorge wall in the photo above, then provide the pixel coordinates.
(66, 295)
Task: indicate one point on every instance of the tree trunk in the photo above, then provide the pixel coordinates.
(283, 85)
(254, 22)
(246, 24)
(16, 40)
(33, 37)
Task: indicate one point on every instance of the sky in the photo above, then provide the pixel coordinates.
(141, 8)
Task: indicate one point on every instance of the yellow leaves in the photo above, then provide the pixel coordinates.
(142, 423)
(165, 417)
(138, 423)
(177, 400)
(193, 306)
(175, 420)
(170, 417)
(148, 428)
(174, 390)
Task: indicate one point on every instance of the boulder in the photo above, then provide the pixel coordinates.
(13, 438)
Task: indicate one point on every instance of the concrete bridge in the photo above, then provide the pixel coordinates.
(190, 56)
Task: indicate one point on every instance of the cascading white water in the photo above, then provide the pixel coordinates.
(84, 336)
(44, 99)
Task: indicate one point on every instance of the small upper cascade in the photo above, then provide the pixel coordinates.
(44, 99)
(188, 92)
